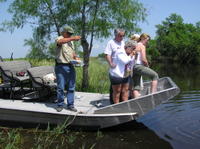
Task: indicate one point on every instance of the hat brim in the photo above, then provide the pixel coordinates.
(70, 32)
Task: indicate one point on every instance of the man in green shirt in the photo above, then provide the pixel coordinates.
(65, 72)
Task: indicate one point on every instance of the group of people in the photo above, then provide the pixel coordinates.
(127, 63)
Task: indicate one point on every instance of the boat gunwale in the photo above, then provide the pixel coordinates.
(174, 86)
(75, 113)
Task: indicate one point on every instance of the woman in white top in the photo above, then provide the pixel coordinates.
(118, 74)
(141, 67)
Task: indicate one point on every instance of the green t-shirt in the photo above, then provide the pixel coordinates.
(64, 52)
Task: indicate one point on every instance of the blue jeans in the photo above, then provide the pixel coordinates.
(66, 77)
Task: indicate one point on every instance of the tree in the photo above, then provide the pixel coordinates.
(90, 18)
(38, 47)
(152, 50)
(178, 40)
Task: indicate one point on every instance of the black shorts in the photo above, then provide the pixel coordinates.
(117, 80)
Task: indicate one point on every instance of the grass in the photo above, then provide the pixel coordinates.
(52, 138)
(98, 74)
(56, 138)
(98, 77)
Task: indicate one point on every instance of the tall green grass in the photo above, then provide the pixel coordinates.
(98, 74)
(57, 138)
(98, 77)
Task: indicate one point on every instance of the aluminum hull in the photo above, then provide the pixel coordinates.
(95, 109)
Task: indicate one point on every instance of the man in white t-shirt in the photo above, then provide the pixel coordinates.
(119, 75)
(110, 52)
(114, 45)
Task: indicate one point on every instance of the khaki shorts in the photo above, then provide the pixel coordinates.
(140, 70)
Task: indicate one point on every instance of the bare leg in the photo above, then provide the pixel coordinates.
(116, 93)
(125, 88)
(154, 86)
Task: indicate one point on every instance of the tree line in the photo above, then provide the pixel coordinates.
(176, 41)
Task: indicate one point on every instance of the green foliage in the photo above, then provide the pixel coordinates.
(101, 16)
(10, 139)
(102, 55)
(37, 45)
(89, 18)
(179, 41)
(51, 50)
(98, 80)
(80, 54)
(55, 138)
(41, 62)
(37, 49)
(152, 50)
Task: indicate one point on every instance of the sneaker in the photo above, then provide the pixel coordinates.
(59, 108)
(72, 109)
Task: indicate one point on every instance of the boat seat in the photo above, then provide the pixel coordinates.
(15, 74)
(39, 84)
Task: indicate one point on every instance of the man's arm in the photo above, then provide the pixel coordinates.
(109, 60)
(65, 40)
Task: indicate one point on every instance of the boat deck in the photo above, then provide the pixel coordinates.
(84, 102)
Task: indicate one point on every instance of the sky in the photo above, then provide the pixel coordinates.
(158, 11)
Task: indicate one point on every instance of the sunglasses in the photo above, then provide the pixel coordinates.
(121, 36)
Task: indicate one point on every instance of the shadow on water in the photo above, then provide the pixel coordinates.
(131, 136)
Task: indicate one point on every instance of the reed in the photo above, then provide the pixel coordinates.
(98, 74)
(98, 77)
(56, 138)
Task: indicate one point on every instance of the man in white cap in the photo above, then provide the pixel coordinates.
(65, 72)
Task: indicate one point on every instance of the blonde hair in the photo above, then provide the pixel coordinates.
(135, 37)
(144, 36)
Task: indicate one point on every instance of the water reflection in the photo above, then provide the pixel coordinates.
(131, 136)
(178, 120)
